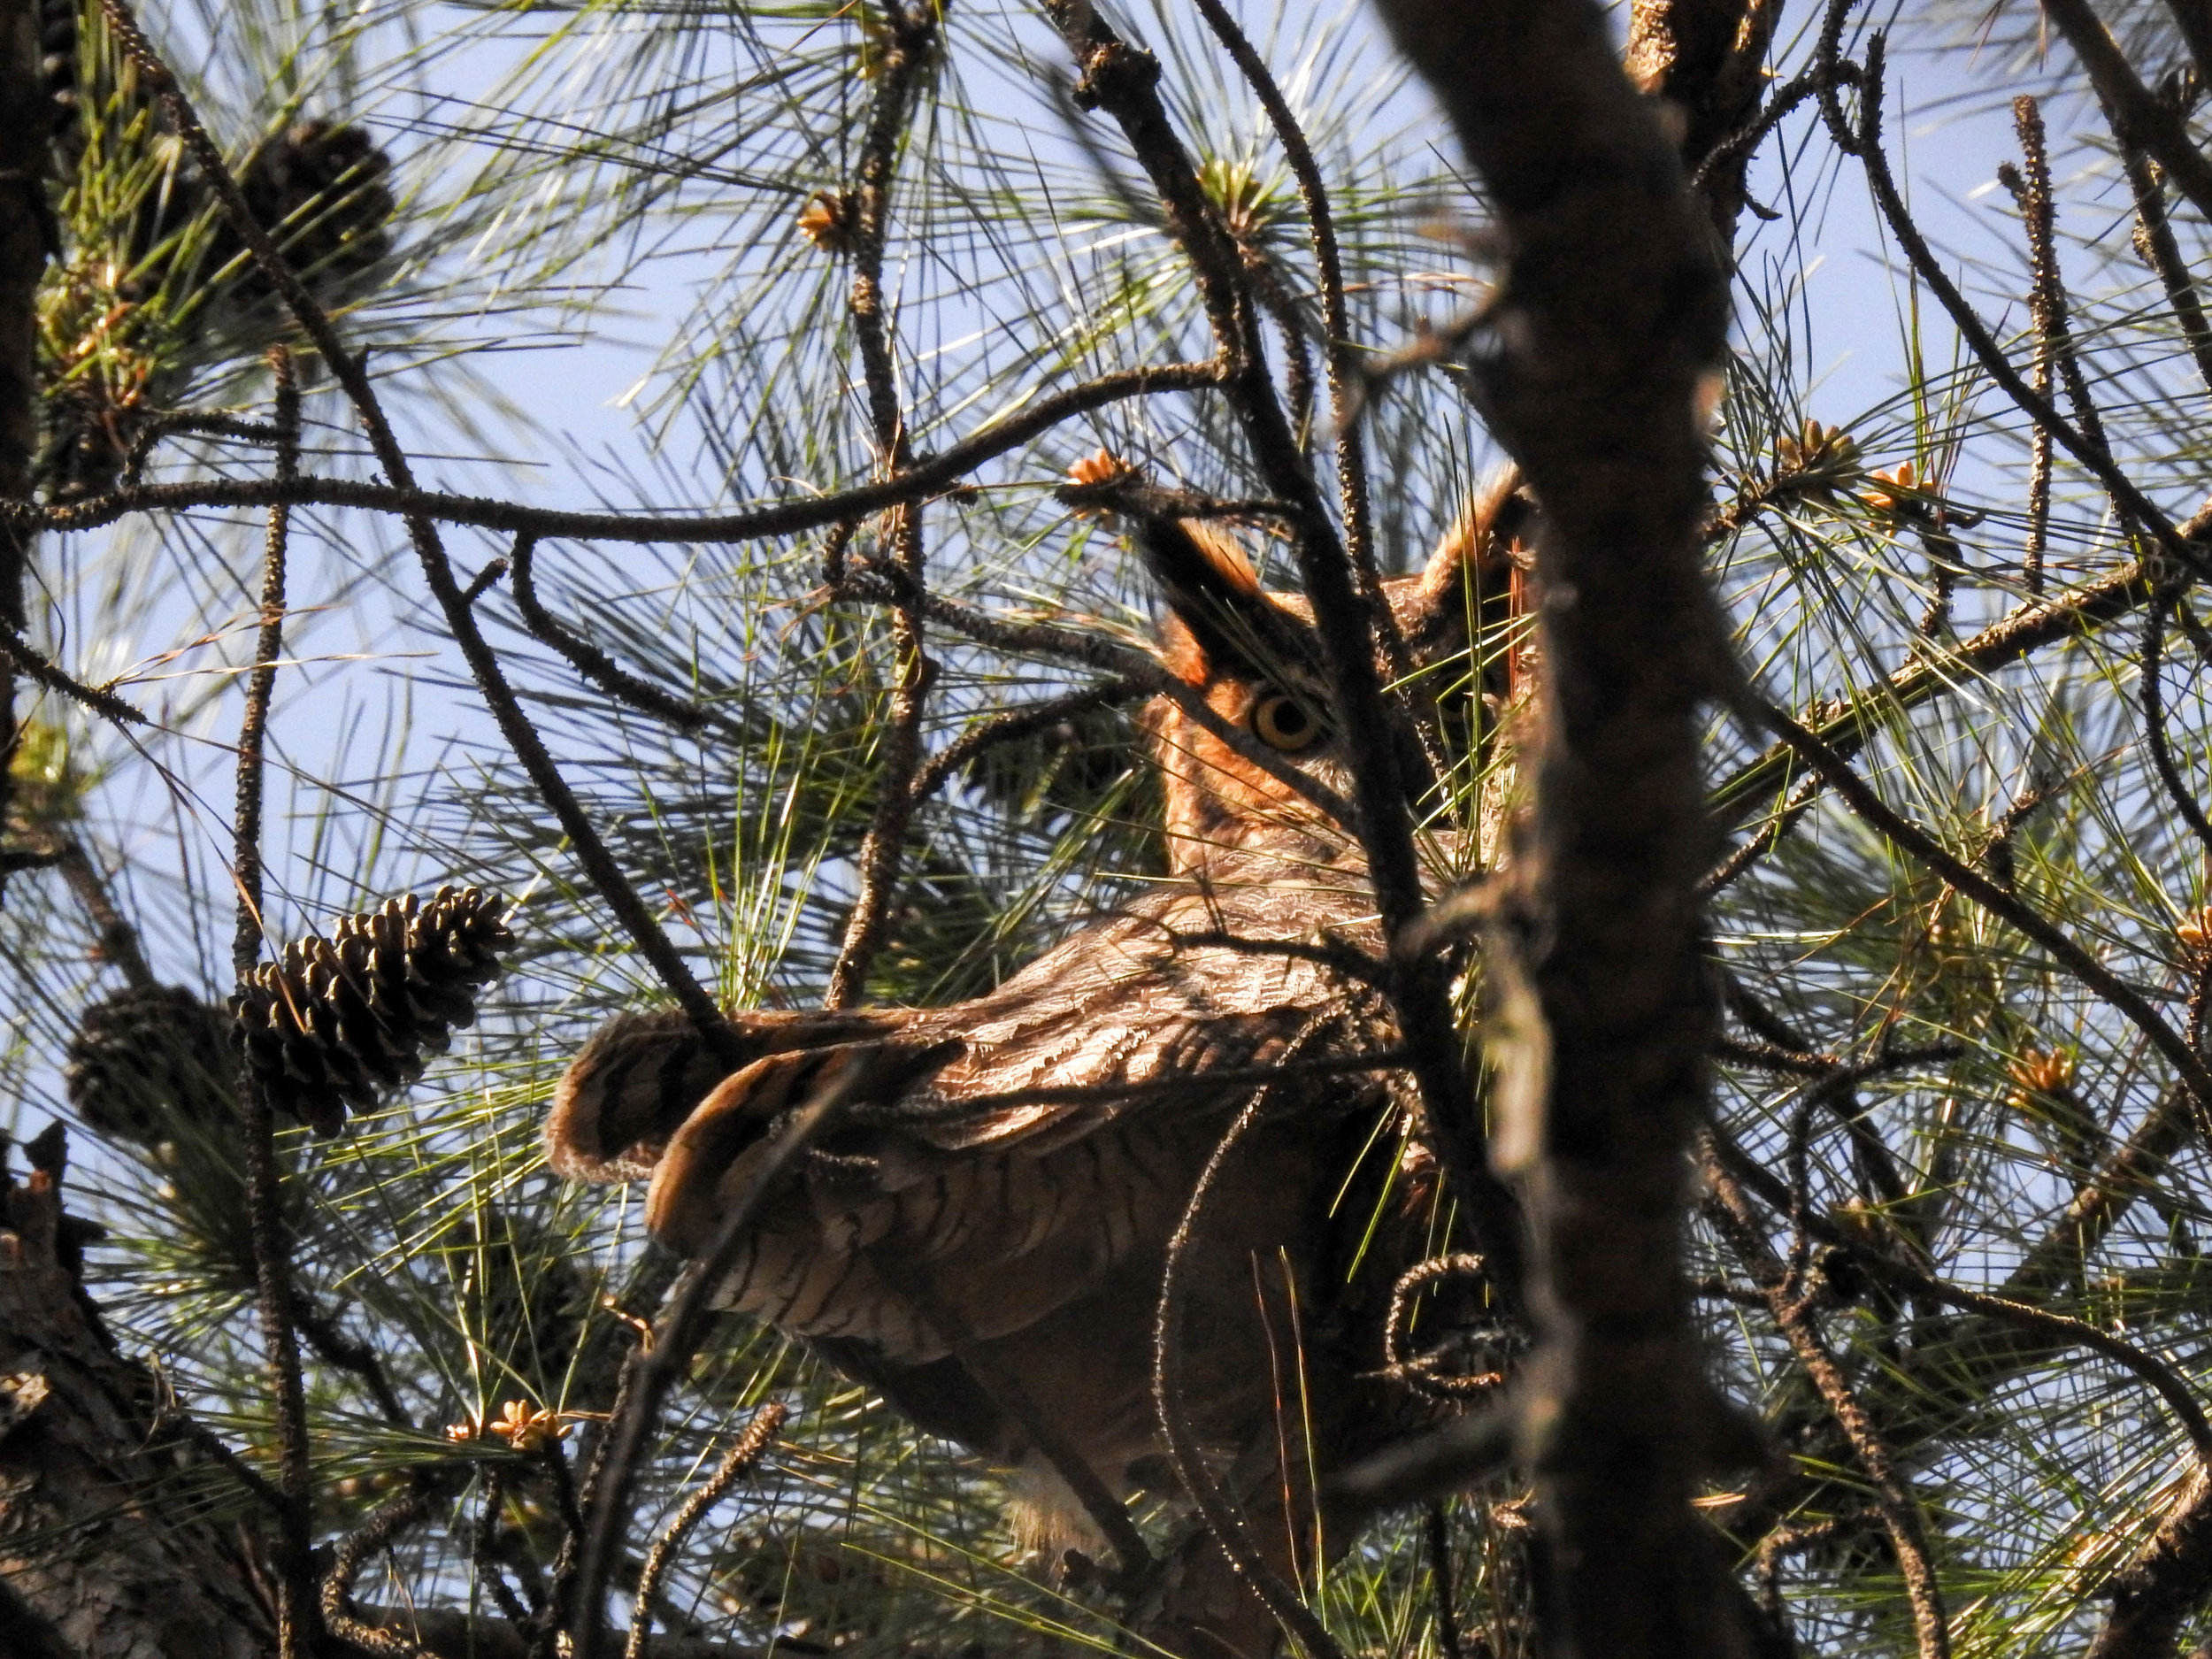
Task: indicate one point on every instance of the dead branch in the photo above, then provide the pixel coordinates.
(743, 1453)
(297, 1623)
(912, 41)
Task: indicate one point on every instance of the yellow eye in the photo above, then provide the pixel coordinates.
(1284, 723)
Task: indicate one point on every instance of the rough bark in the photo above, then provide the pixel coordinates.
(24, 235)
(1608, 333)
(114, 1540)
(1707, 58)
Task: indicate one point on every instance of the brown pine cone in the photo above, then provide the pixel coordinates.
(343, 1021)
(320, 189)
(145, 1064)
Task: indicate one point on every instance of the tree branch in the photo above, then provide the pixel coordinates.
(297, 1629)
(1603, 353)
(931, 475)
(1893, 1496)
(2139, 119)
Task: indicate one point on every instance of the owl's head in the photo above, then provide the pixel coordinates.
(1256, 659)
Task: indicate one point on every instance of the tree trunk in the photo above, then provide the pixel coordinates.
(119, 1539)
(25, 232)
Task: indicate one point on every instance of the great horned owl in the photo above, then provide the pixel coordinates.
(1025, 1156)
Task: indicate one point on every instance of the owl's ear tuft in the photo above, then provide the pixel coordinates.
(1474, 562)
(1219, 622)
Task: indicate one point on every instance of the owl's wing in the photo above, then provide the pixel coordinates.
(1017, 1149)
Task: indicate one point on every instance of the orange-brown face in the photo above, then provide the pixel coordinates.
(1253, 657)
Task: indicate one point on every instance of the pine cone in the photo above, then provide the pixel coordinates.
(145, 1064)
(319, 189)
(339, 1022)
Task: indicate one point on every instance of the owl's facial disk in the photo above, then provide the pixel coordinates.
(1256, 659)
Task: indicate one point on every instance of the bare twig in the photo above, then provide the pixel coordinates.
(2161, 1378)
(1739, 145)
(2151, 691)
(117, 935)
(2047, 295)
(1345, 381)
(1227, 1524)
(17, 655)
(1893, 1496)
(1011, 727)
(334, 1347)
(483, 1536)
(931, 475)
(272, 1249)
(176, 421)
(353, 1551)
(743, 1453)
(1763, 841)
(2046, 305)
(1419, 1372)
(913, 41)
(587, 659)
(1436, 1524)
(2155, 240)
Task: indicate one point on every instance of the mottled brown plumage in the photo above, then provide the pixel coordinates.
(1026, 1155)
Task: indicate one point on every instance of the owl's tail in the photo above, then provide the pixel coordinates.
(641, 1076)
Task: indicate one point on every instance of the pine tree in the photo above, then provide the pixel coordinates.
(835, 696)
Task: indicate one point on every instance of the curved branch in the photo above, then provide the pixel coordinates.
(1893, 1495)
(743, 1453)
(932, 475)
(587, 659)
(2169, 776)
(1228, 1526)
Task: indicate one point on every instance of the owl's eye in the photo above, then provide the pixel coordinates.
(1284, 723)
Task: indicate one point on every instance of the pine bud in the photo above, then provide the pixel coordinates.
(1816, 460)
(826, 220)
(343, 1021)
